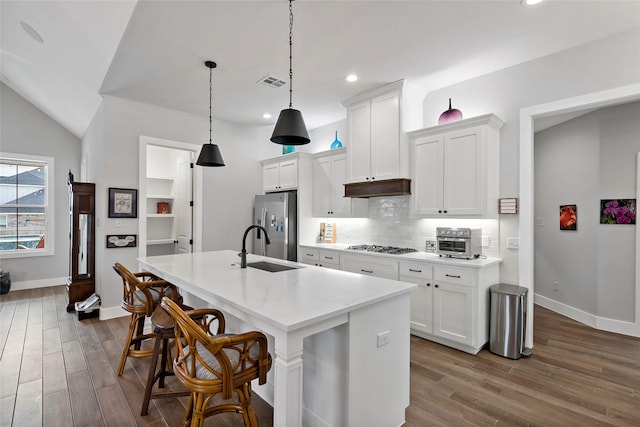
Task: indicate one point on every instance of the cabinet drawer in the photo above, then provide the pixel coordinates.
(310, 254)
(370, 266)
(459, 276)
(417, 270)
(328, 257)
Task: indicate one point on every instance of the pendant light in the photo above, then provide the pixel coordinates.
(210, 153)
(290, 128)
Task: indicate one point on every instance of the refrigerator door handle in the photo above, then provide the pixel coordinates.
(263, 219)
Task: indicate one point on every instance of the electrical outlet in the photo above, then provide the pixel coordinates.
(118, 223)
(513, 243)
(555, 286)
(383, 338)
(486, 242)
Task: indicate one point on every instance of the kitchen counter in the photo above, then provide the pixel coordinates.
(412, 256)
(348, 326)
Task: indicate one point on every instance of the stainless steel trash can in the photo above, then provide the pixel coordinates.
(507, 320)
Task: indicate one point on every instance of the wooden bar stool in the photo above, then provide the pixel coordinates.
(163, 328)
(210, 365)
(141, 295)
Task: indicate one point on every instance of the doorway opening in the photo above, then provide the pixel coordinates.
(169, 198)
(528, 115)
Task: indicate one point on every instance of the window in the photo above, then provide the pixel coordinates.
(26, 208)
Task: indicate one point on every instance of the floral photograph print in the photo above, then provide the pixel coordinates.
(618, 211)
(568, 217)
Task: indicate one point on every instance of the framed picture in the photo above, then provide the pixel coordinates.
(123, 203)
(618, 211)
(568, 217)
(121, 240)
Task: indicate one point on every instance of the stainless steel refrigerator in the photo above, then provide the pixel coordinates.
(277, 213)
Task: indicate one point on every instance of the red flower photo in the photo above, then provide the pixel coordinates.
(568, 217)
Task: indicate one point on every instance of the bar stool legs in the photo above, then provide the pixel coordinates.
(163, 329)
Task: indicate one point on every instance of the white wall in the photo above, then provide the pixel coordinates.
(26, 130)
(228, 191)
(603, 64)
(580, 162)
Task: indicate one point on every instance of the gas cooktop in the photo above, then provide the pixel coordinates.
(382, 249)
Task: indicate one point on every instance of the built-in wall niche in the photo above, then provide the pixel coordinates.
(160, 198)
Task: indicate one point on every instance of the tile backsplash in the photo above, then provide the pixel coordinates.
(389, 223)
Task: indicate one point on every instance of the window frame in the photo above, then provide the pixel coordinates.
(49, 205)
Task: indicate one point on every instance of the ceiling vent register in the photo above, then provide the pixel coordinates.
(272, 81)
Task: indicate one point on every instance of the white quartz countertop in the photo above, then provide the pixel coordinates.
(419, 256)
(289, 299)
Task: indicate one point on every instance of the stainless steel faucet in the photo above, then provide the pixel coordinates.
(243, 254)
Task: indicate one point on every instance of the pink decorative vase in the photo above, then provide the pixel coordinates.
(451, 115)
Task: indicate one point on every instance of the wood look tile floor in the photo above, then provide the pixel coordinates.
(58, 371)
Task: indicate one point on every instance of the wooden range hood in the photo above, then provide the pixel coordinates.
(385, 187)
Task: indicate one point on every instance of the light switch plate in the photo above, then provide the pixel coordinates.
(513, 243)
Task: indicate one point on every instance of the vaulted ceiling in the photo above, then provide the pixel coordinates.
(153, 51)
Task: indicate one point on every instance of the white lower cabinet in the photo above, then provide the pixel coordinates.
(370, 266)
(329, 259)
(309, 256)
(451, 304)
(320, 257)
(421, 296)
(453, 312)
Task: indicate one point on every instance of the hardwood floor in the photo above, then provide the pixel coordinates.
(58, 371)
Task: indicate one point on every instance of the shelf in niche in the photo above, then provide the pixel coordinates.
(157, 215)
(160, 242)
(159, 196)
(165, 178)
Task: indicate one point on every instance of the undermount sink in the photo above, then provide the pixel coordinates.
(270, 266)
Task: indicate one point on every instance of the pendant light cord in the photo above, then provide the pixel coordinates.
(210, 97)
(290, 53)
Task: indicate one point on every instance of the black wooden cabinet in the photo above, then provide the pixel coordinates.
(82, 263)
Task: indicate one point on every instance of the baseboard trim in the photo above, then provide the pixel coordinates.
(601, 323)
(36, 284)
(112, 313)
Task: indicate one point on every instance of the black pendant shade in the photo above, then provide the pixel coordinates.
(210, 153)
(290, 128)
(210, 156)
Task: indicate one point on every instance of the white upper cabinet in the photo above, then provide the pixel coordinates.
(455, 168)
(280, 175)
(376, 126)
(329, 174)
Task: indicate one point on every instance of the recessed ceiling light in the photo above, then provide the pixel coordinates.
(530, 2)
(32, 32)
(351, 78)
(266, 116)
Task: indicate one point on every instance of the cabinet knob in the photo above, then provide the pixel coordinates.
(366, 271)
(373, 177)
(428, 284)
(439, 211)
(436, 286)
(445, 211)
(367, 178)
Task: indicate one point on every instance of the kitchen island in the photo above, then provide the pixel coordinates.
(348, 333)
